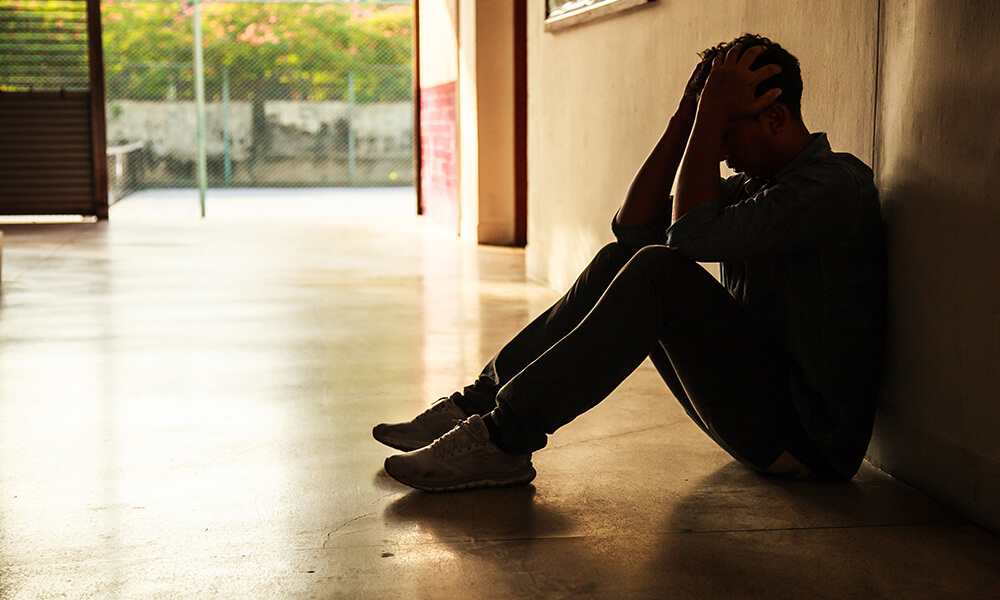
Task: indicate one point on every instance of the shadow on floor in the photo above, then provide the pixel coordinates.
(737, 534)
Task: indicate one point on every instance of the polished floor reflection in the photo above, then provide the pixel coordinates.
(186, 405)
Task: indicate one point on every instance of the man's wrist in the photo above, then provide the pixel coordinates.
(687, 109)
(710, 113)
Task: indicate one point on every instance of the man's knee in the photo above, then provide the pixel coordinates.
(661, 259)
(665, 253)
(648, 263)
(616, 252)
(666, 269)
(611, 258)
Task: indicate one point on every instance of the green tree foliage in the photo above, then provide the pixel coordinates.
(43, 45)
(274, 51)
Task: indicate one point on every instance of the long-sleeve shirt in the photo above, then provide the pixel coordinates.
(803, 252)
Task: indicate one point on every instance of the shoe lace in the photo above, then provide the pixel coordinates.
(459, 439)
(439, 406)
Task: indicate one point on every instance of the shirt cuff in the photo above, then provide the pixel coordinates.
(688, 234)
(646, 234)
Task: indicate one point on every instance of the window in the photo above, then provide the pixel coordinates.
(560, 14)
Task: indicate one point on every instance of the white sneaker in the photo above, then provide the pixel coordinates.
(463, 458)
(426, 427)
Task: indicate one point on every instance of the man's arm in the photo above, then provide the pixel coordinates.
(805, 209)
(648, 196)
(699, 171)
(728, 95)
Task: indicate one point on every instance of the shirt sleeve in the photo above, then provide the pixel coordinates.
(731, 188)
(802, 210)
(655, 232)
(647, 234)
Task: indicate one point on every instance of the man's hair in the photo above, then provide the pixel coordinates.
(789, 81)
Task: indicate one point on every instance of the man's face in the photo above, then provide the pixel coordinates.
(745, 147)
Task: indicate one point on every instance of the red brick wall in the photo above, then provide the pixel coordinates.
(438, 166)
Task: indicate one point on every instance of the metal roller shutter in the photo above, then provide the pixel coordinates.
(52, 149)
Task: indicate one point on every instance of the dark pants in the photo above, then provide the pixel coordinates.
(629, 304)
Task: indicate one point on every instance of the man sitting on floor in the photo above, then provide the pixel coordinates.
(780, 365)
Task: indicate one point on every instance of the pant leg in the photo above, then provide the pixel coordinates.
(658, 356)
(547, 329)
(734, 380)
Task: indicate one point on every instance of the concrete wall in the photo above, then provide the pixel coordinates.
(299, 142)
(495, 69)
(486, 98)
(938, 151)
(911, 90)
(168, 128)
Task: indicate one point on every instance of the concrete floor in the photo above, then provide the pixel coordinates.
(186, 405)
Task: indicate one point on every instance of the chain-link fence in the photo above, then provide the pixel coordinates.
(298, 93)
(43, 46)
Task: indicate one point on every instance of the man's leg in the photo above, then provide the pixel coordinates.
(547, 329)
(800, 460)
(730, 378)
(480, 397)
(657, 296)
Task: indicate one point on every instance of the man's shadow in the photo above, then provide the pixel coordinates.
(509, 542)
(479, 515)
(740, 534)
(734, 533)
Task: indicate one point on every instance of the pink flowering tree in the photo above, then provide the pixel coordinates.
(277, 51)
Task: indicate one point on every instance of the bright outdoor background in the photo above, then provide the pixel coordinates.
(298, 94)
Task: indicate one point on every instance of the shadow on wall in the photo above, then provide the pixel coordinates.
(939, 151)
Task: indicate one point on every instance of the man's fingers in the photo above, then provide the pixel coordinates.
(750, 55)
(731, 83)
(765, 101)
(703, 67)
(734, 54)
(766, 72)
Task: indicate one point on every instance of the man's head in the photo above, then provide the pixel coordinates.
(789, 80)
(759, 145)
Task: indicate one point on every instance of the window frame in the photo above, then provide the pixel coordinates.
(592, 11)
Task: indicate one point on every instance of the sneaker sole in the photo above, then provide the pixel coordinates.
(524, 479)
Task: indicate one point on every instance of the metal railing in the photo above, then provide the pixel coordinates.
(126, 170)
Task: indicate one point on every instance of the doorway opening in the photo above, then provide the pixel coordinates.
(311, 95)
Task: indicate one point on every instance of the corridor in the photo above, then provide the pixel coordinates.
(186, 407)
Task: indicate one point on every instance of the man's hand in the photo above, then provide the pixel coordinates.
(648, 197)
(729, 91)
(697, 80)
(727, 97)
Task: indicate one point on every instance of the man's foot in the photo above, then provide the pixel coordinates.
(464, 458)
(426, 427)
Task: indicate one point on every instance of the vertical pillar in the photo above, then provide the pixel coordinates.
(352, 159)
(98, 123)
(227, 136)
(493, 124)
(199, 93)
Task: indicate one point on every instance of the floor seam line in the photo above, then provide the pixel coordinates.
(613, 435)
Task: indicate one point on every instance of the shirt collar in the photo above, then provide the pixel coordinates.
(819, 145)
